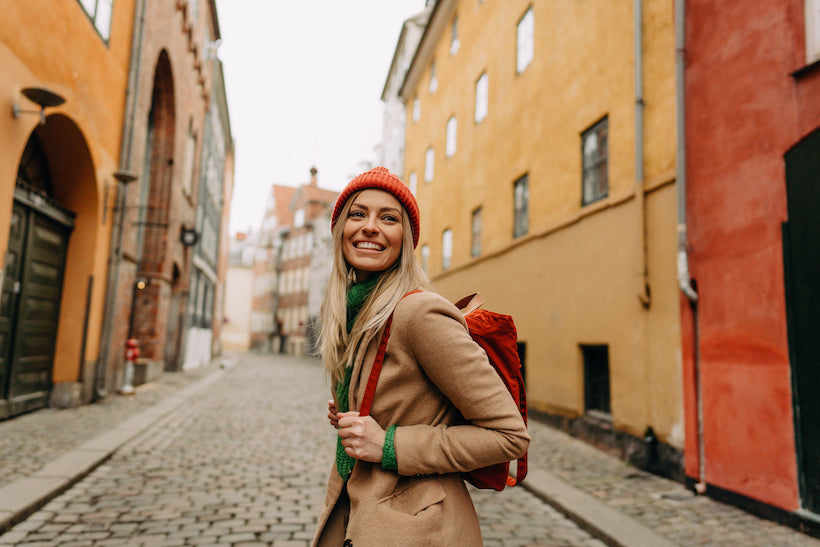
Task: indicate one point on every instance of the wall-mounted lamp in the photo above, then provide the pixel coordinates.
(188, 237)
(40, 96)
(125, 176)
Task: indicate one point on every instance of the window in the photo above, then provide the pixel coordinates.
(99, 11)
(475, 240)
(425, 257)
(416, 109)
(446, 249)
(433, 80)
(521, 203)
(812, 30)
(596, 378)
(454, 43)
(452, 127)
(481, 96)
(525, 43)
(429, 159)
(413, 182)
(594, 150)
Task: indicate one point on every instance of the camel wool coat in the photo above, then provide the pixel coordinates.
(434, 378)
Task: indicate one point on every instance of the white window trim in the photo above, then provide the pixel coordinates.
(452, 130)
(454, 42)
(812, 30)
(99, 11)
(525, 41)
(429, 164)
(481, 97)
(446, 249)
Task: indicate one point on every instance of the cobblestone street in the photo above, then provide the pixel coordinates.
(243, 462)
(239, 456)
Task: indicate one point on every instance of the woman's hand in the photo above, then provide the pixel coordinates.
(361, 436)
(332, 413)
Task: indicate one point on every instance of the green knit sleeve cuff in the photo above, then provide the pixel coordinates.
(389, 451)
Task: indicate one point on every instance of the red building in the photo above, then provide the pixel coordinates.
(751, 338)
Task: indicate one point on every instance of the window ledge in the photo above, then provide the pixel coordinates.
(804, 71)
(598, 416)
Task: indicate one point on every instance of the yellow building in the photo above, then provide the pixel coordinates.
(540, 143)
(57, 190)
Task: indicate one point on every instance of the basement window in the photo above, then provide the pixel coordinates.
(596, 379)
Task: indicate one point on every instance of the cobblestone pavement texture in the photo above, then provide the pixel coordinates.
(244, 462)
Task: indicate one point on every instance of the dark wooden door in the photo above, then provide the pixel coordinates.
(29, 315)
(801, 243)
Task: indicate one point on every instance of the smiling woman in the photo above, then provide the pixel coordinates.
(397, 473)
(372, 237)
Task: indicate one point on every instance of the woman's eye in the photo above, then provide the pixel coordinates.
(390, 218)
(357, 214)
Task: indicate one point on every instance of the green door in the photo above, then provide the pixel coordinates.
(801, 246)
(29, 314)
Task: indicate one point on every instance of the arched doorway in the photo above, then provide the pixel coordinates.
(32, 284)
(150, 312)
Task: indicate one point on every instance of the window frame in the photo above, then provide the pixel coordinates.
(597, 380)
(413, 182)
(429, 164)
(812, 17)
(446, 249)
(416, 109)
(597, 189)
(432, 85)
(454, 41)
(482, 95)
(521, 206)
(476, 224)
(523, 41)
(103, 30)
(451, 135)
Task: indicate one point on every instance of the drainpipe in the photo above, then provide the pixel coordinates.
(644, 294)
(685, 282)
(115, 251)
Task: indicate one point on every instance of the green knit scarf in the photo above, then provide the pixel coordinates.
(356, 297)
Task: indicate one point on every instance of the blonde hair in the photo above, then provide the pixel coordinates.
(338, 347)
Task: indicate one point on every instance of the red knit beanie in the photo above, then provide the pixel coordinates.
(379, 178)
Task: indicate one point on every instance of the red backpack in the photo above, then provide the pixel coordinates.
(496, 334)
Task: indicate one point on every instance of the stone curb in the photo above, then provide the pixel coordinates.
(600, 520)
(21, 498)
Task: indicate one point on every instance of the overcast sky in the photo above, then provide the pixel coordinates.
(304, 81)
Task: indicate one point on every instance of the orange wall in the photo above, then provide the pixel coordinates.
(54, 45)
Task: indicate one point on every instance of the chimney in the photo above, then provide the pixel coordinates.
(313, 180)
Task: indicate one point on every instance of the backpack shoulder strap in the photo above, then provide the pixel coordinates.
(373, 379)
